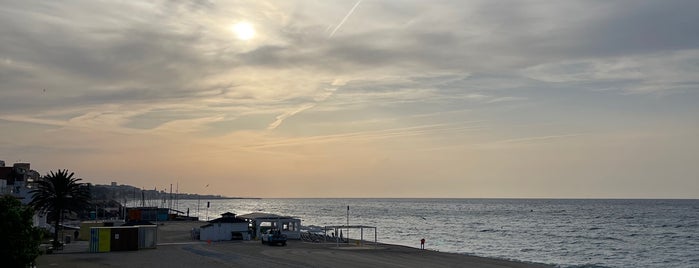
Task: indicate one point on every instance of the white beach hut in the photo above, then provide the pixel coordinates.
(228, 227)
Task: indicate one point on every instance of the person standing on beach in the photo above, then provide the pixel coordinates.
(422, 243)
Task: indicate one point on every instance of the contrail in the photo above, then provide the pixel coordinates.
(286, 115)
(345, 19)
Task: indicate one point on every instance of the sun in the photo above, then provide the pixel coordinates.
(243, 30)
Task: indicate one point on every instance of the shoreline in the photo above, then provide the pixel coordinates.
(176, 249)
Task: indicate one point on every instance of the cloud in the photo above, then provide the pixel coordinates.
(538, 139)
(365, 136)
(657, 72)
(167, 55)
(32, 120)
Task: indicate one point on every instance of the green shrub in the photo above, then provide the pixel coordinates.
(19, 240)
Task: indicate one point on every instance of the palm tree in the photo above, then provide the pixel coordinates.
(59, 193)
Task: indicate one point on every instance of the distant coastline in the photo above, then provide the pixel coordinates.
(128, 193)
(216, 197)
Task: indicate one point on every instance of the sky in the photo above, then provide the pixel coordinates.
(373, 98)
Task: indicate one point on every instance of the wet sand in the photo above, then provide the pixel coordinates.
(176, 249)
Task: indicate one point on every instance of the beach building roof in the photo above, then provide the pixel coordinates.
(329, 227)
(259, 216)
(225, 218)
(228, 214)
(137, 223)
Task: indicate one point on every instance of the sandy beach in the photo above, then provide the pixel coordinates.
(176, 249)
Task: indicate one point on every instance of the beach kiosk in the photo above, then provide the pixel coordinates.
(260, 222)
(228, 227)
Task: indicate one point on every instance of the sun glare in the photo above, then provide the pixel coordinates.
(243, 30)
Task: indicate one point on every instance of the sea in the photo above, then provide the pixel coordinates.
(561, 232)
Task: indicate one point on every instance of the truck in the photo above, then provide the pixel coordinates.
(273, 237)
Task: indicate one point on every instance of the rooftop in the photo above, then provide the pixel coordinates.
(259, 215)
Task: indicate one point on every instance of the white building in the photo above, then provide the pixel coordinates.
(227, 227)
(18, 181)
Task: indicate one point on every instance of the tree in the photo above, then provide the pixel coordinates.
(20, 240)
(58, 193)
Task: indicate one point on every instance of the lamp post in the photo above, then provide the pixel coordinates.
(207, 204)
(199, 201)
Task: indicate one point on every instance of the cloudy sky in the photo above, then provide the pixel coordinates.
(376, 98)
